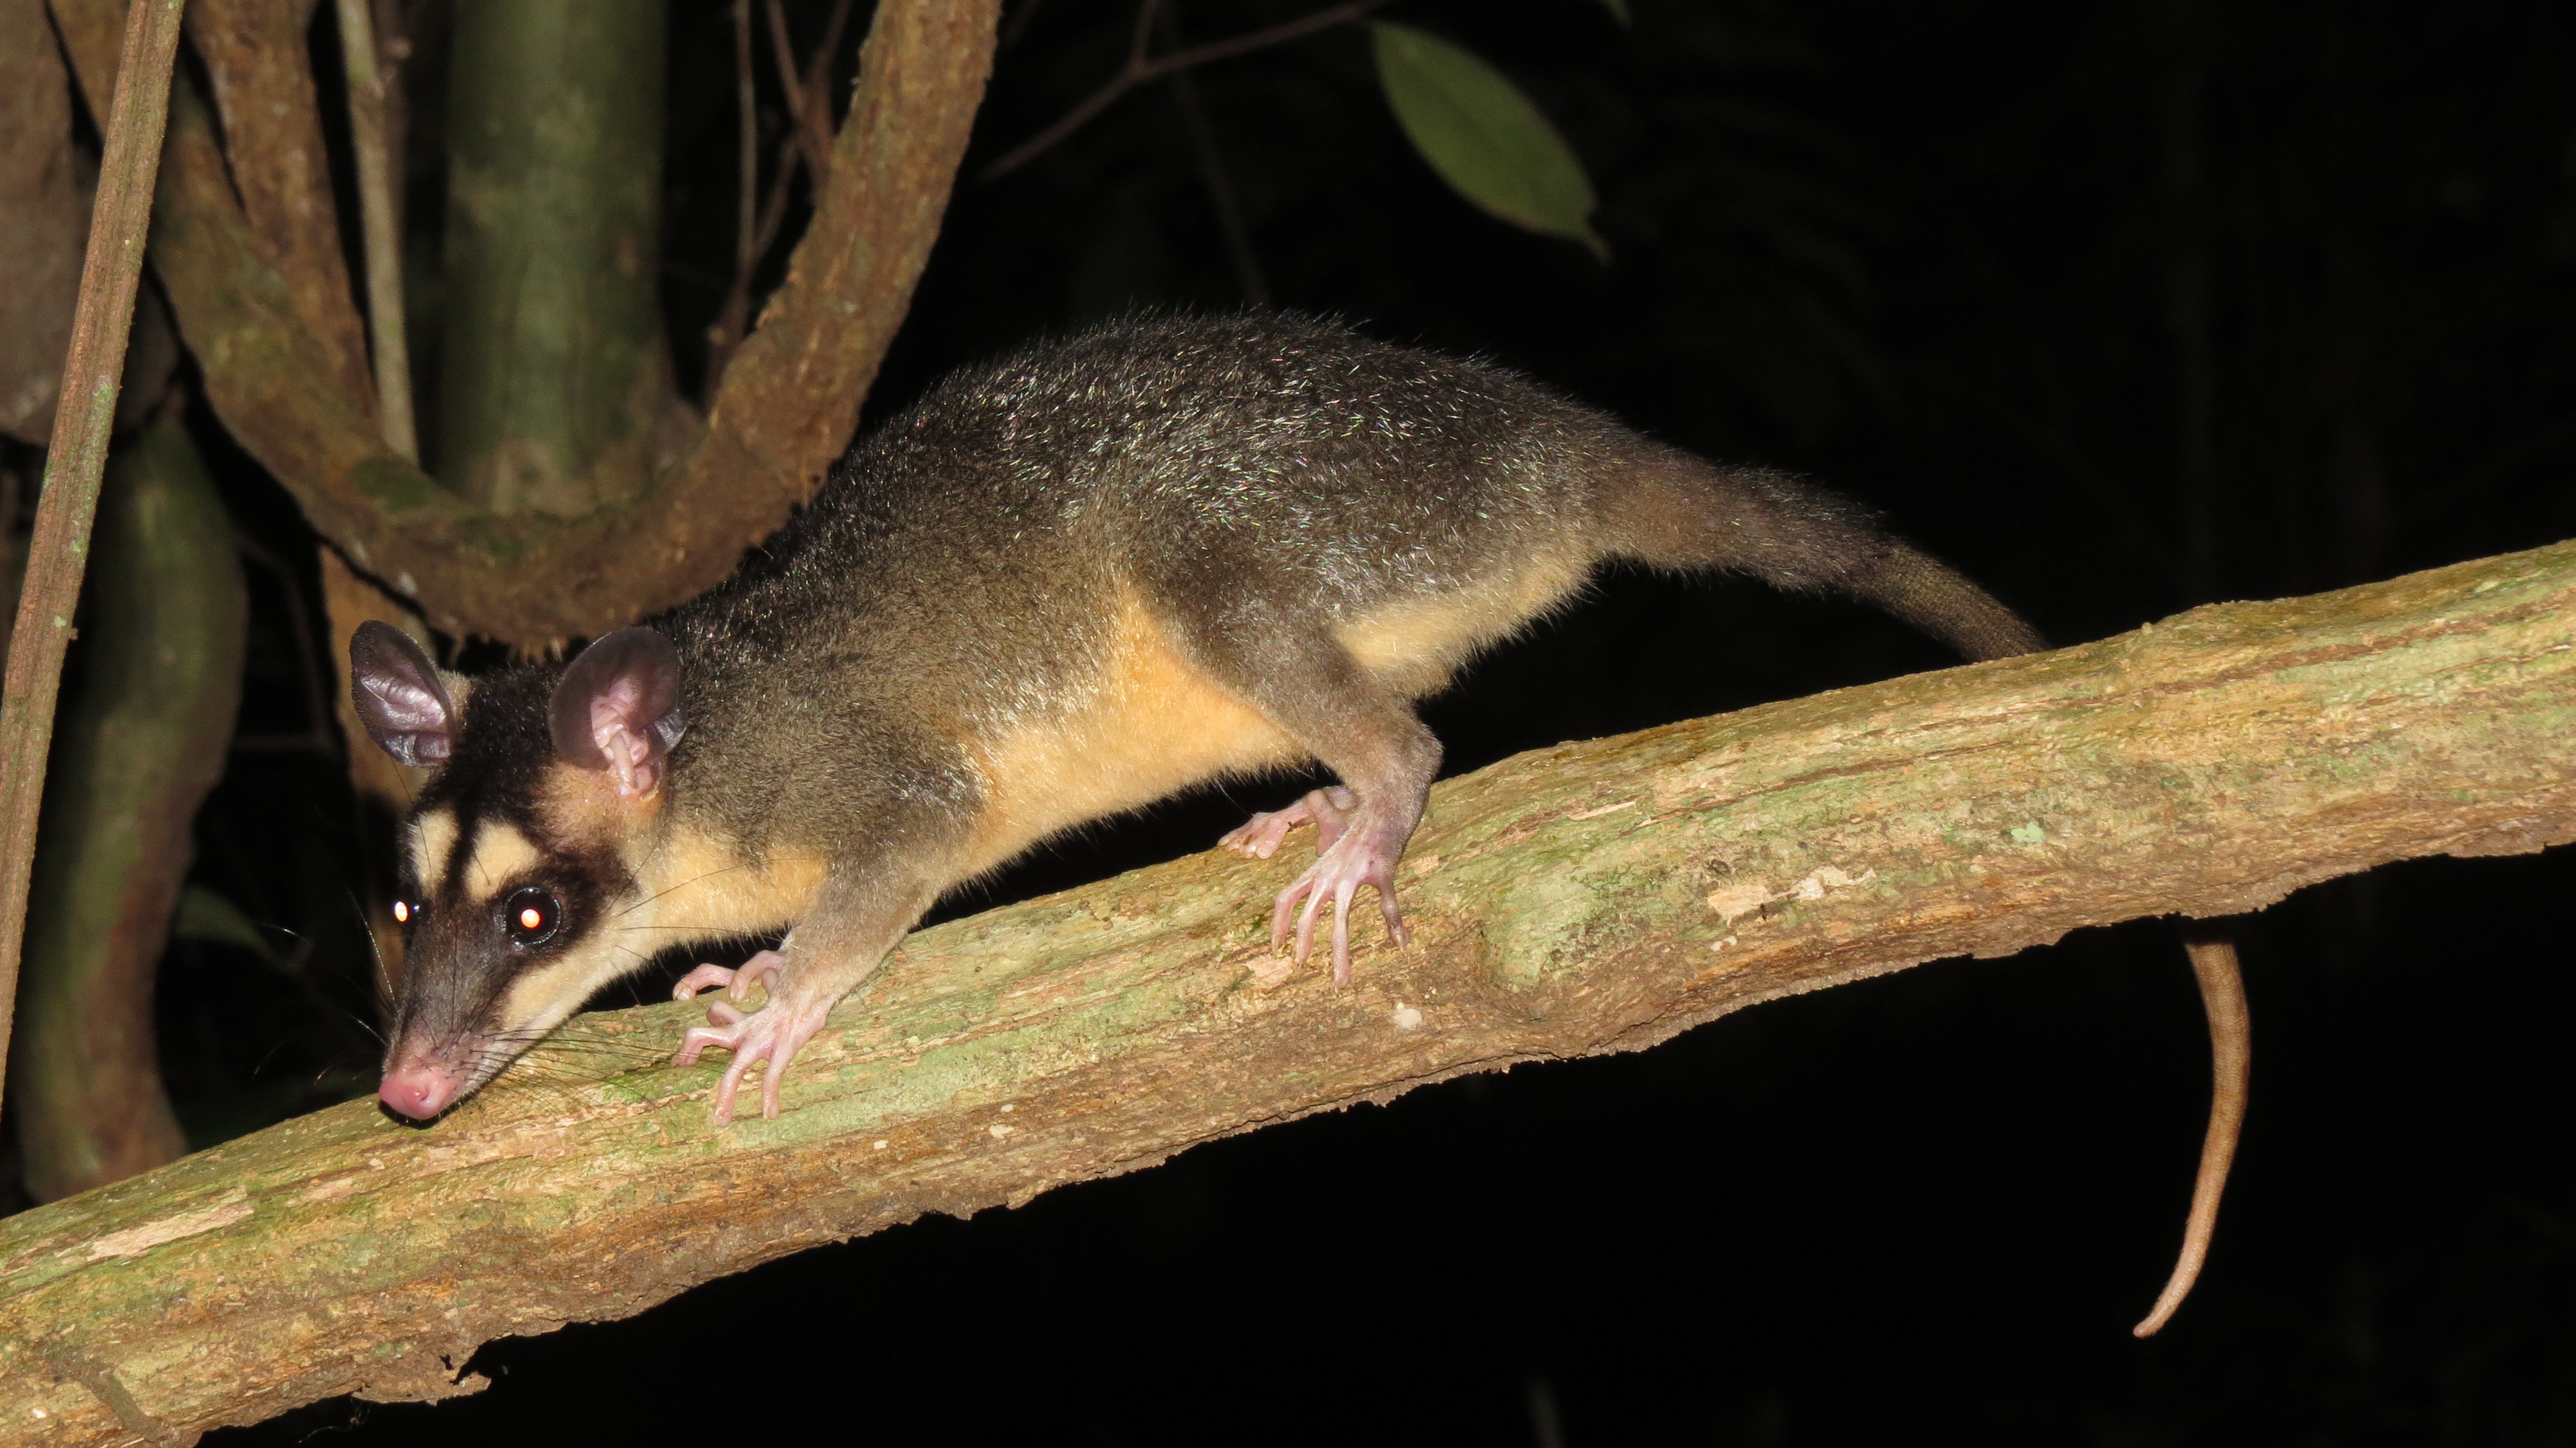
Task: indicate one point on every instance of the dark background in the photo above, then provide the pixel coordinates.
(2122, 307)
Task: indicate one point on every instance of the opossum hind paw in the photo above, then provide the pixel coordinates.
(1360, 852)
(1260, 837)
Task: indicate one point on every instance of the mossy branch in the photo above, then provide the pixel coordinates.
(1589, 898)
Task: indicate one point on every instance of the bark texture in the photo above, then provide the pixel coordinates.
(262, 75)
(1589, 898)
(550, 329)
(44, 220)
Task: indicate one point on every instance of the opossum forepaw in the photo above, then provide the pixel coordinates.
(774, 1033)
(704, 978)
(764, 1035)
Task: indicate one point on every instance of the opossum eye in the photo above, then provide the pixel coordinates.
(402, 912)
(531, 913)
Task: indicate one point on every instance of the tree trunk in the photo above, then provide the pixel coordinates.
(134, 756)
(1588, 898)
(553, 377)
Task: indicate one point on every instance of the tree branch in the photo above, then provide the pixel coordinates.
(262, 73)
(726, 333)
(1589, 898)
(380, 232)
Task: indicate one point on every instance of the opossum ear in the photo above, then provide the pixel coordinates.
(617, 708)
(398, 695)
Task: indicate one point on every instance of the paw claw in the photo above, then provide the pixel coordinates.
(754, 970)
(1260, 837)
(773, 1034)
(1355, 851)
(704, 978)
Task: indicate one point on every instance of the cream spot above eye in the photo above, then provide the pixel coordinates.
(433, 836)
(501, 854)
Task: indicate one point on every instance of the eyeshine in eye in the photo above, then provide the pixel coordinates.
(531, 914)
(402, 912)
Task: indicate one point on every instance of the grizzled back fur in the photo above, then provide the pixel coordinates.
(958, 572)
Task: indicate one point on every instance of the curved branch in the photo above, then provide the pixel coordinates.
(789, 402)
(262, 73)
(1588, 898)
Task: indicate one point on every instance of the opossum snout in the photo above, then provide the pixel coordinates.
(420, 1089)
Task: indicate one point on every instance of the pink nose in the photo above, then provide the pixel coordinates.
(418, 1091)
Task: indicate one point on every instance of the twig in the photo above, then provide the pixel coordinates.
(747, 197)
(733, 320)
(726, 333)
(819, 69)
(86, 414)
(313, 667)
(382, 234)
(813, 124)
(394, 20)
(1141, 68)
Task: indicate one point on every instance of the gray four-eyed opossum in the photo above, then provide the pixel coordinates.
(1063, 584)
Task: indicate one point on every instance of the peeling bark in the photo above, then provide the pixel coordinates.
(1589, 898)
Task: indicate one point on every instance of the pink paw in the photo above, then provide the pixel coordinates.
(1365, 856)
(1351, 849)
(774, 1033)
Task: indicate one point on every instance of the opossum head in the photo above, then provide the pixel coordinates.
(520, 852)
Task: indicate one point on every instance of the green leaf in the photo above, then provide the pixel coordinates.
(205, 915)
(1484, 136)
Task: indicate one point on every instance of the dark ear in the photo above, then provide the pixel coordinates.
(617, 708)
(396, 691)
